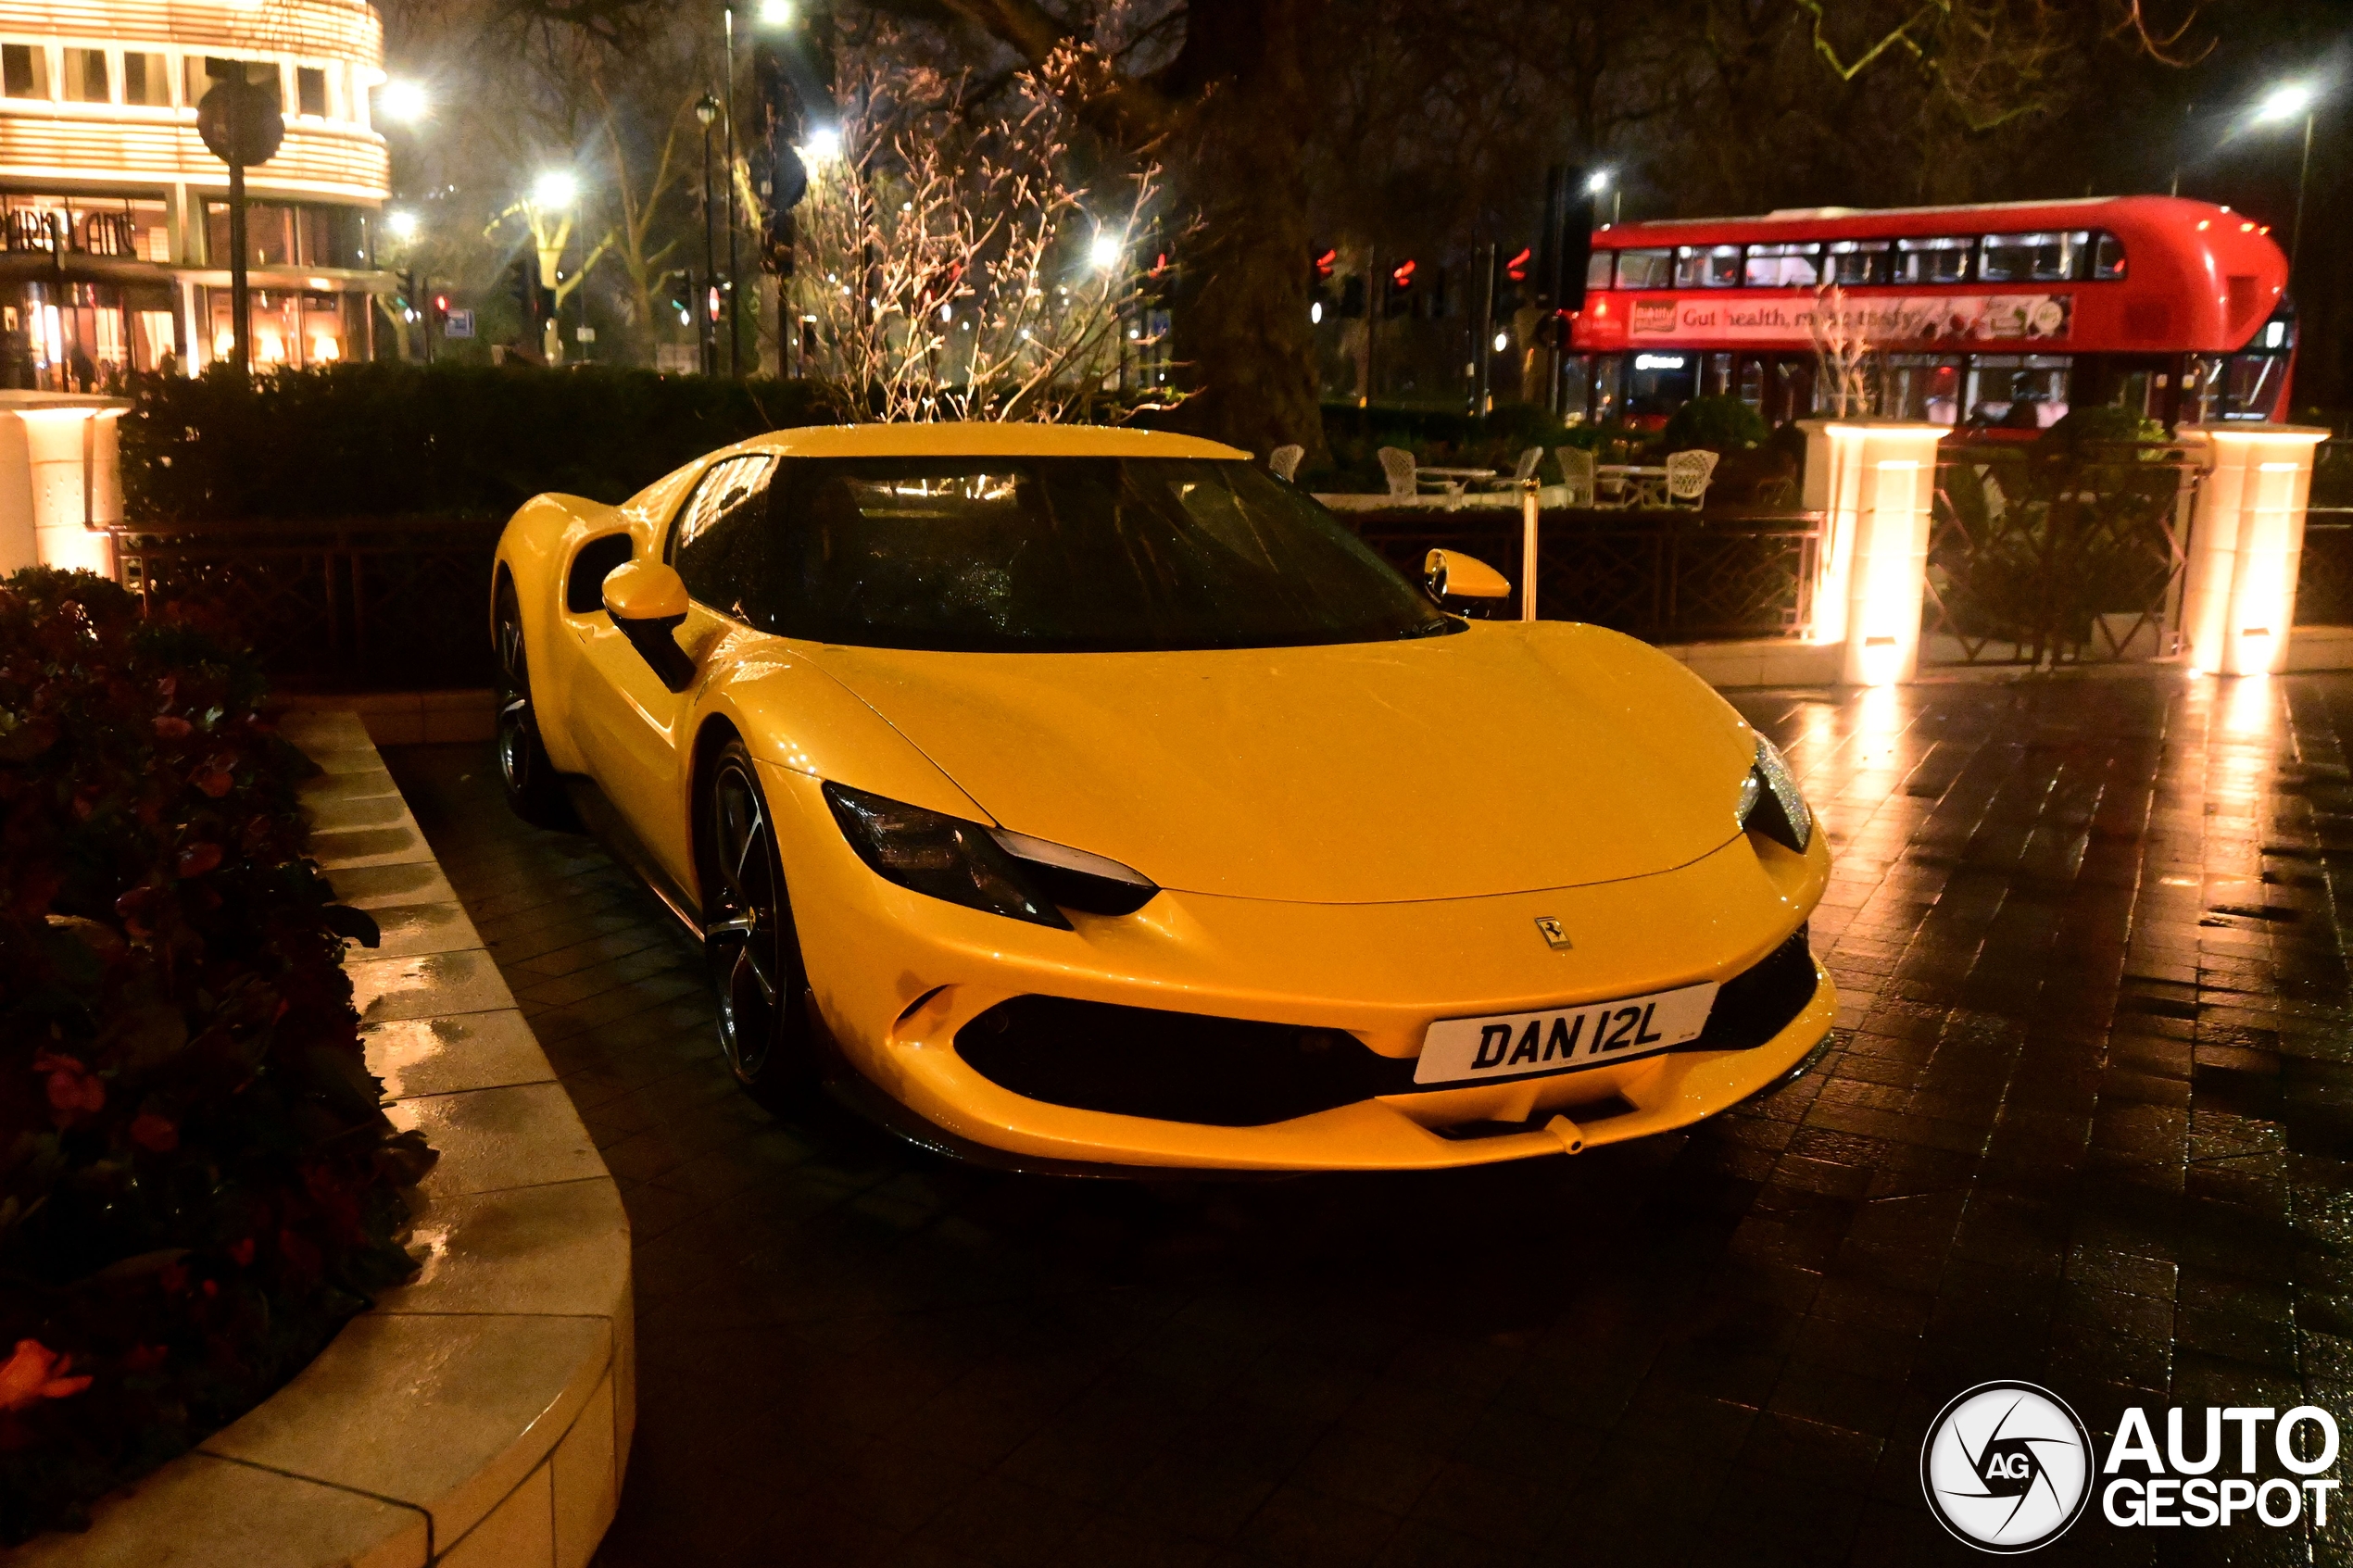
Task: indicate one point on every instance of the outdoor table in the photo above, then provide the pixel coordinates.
(1644, 481)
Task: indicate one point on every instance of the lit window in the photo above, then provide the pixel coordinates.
(86, 76)
(1933, 262)
(2036, 258)
(1783, 267)
(1645, 269)
(24, 71)
(1707, 267)
(1853, 263)
(146, 79)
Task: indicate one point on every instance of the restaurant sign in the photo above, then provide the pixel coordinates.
(1980, 317)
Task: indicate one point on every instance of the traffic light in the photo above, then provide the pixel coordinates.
(530, 296)
(1511, 281)
(1321, 260)
(1397, 299)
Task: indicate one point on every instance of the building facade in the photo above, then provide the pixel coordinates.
(114, 224)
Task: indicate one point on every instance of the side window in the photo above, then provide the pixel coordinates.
(2107, 259)
(707, 524)
(1598, 269)
(584, 586)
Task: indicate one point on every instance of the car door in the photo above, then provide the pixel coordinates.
(638, 727)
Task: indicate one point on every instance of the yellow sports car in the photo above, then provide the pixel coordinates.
(1085, 799)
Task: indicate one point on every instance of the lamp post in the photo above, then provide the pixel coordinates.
(734, 294)
(706, 342)
(2285, 103)
(1600, 181)
(556, 189)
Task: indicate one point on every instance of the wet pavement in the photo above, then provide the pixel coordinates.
(2088, 1123)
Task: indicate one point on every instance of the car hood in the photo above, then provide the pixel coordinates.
(1502, 759)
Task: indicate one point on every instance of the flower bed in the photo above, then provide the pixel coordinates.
(197, 1184)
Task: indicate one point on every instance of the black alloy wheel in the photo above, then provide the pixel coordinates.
(534, 792)
(749, 940)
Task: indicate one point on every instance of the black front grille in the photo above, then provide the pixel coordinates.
(1233, 1073)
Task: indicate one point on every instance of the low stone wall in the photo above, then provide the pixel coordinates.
(479, 1417)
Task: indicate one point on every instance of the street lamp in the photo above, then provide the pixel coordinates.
(1103, 252)
(2285, 103)
(775, 13)
(707, 111)
(404, 103)
(401, 224)
(556, 187)
(824, 146)
(1600, 181)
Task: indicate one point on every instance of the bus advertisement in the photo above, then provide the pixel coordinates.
(1992, 317)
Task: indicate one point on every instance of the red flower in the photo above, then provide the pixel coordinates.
(154, 1133)
(73, 1089)
(36, 1373)
(198, 859)
(171, 726)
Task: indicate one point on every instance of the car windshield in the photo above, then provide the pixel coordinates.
(1044, 555)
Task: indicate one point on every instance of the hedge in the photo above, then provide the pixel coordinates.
(197, 1183)
(387, 439)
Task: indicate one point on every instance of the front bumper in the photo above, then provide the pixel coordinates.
(896, 976)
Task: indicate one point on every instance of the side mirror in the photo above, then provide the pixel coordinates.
(647, 603)
(1450, 574)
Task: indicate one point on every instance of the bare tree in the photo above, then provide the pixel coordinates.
(953, 264)
(1846, 351)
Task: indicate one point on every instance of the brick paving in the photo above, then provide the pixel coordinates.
(2087, 1123)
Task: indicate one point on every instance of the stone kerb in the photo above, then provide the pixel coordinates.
(479, 1417)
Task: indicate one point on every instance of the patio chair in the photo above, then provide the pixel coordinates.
(1687, 477)
(1576, 475)
(1397, 466)
(1522, 471)
(1283, 461)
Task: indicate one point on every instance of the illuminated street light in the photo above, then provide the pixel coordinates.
(1597, 182)
(402, 224)
(1103, 252)
(1502, 342)
(775, 13)
(2285, 103)
(402, 102)
(824, 146)
(557, 187)
(1316, 312)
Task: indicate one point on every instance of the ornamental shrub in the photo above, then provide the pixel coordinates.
(1720, 424)
(197, 1183)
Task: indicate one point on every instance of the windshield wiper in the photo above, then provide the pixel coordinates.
(1436, 628)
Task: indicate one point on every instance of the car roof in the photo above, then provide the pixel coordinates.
(983, 438)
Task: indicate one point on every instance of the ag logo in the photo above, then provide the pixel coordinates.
(2006, 1467)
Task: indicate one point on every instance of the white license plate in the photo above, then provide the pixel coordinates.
(1516, 1044)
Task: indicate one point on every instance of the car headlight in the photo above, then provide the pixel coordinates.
(1771, 803)
(980, 867)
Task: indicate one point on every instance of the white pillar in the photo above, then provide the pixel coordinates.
(1875, 482)
(61, 480)
(2246, 545)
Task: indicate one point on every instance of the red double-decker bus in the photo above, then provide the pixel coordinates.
(2000, 316)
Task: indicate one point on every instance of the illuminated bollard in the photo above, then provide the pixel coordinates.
(2245, 545)
(61, 480)
(1875, 482)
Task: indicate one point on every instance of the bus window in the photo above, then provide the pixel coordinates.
(1707, 267)
(2035, 259)
(1783, 267)
(2107, 258)
(1932, 261)
(2017, 392)
(1605, 383)
(1661, 384)
(1752, 391)
(1716, 378)
(1856, 262)
(1597, 270)
(1645, 269)
(1919, 386)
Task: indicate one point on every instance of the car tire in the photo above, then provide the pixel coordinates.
(759, 983)
(534, 792)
